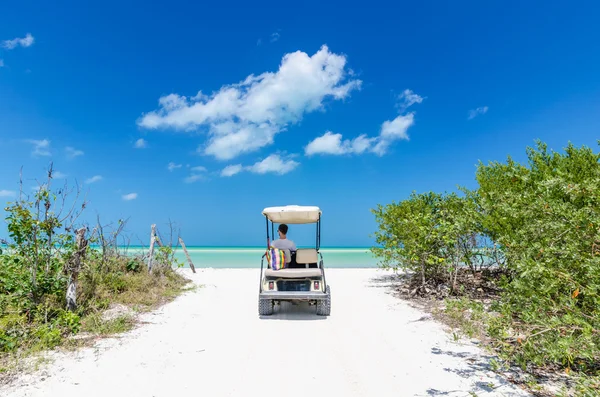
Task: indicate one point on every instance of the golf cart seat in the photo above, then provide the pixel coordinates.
(293, 273)
(307, 257)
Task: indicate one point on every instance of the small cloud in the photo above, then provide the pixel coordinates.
(40, 147)
(331, 143)
(58, 175)
(231, 170)
(7, 193)
(26, 41)
(172, 166)
(407, 99)
(193, 178)
(274, 37)
(273, 164)
(141, 144)
(198, 173)
(95, 178)
(476, 112)
(391, 131)
(72, 152)
(1, 63)
(130, 196)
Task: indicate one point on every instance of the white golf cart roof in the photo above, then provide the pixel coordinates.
(293, 214)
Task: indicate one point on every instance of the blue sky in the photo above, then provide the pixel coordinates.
(259, 104)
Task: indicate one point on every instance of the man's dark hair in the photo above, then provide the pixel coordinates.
(283, 228)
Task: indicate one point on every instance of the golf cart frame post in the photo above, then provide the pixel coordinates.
(293, 214)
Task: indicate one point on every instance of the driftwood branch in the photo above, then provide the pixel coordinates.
(187, 255)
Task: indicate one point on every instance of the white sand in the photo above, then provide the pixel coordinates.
(211, 342)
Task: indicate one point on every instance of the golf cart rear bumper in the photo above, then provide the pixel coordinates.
(300, 295)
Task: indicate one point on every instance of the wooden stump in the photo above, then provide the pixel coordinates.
(151, 254)
(74, 269)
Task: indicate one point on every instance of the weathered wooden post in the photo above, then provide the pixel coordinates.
(151, 255)
(187, 255)
(75, 268)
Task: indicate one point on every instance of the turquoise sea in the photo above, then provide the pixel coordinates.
(249, 257)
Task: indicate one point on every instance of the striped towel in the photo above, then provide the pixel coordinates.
(276, 258)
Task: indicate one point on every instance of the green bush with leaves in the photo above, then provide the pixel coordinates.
(538, 224)
(546, 216)
(36, 265)
(433, 236)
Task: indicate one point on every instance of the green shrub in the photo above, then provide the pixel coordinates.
(539, 224)
(69, 322)
(547, 218)
(36, 265)
(13, 328)
(47, 336)
(433, 236)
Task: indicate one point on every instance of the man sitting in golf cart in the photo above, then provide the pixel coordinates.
(283, 243)
(303, 278)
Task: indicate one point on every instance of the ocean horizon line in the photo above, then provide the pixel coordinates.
(240, 246)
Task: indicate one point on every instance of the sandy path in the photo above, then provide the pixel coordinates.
(212, 343)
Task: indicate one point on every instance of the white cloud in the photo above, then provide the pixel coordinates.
(130, 196)
(331, 143)
(396, 129)
(58, 175)
(193, 178)
(198, 173)
(407, 99)
(476, 112)
(40, 147)
(231, 170)
(172, 166)
(7, 193)
(72, 152)
(95, 178)
(274, 37)
(1, 63)
(140, 144)
(391, 131)
(23, 42)
(246, 116)
(273, 164)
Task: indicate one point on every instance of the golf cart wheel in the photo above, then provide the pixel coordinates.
(265, 307)
(324, 306)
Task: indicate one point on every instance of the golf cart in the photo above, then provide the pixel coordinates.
(302, 276)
